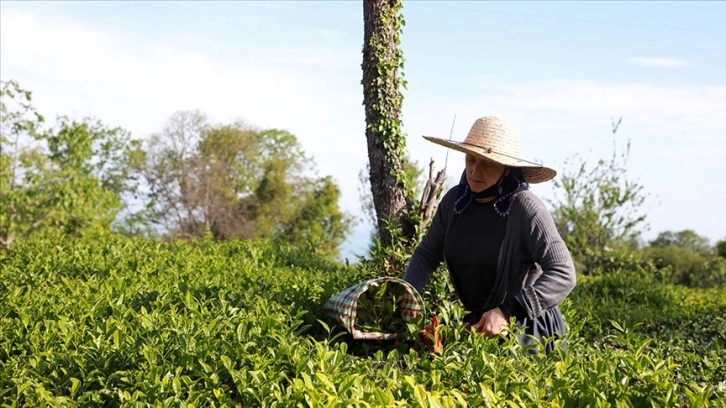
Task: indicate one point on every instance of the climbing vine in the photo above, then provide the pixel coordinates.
(388, 96)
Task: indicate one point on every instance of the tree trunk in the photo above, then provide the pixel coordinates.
(382, 99)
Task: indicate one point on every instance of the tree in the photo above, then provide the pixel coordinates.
(19, 123)
(414, 177)
(684, 253)
(282, 186)
(721, 248)
(65, 180)
(393, 197)
(676, 263)
(171, 174)
(318, 224)
(687, 239)
(601, 209)
(236, 181)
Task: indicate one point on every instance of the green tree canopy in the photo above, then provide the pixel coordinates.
(721, 248)
(687, 239)
(68, 179)
(236, 181)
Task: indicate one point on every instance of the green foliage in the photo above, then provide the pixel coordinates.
(230, 180)
(598, 209)
(711, 274)
(280, 187)
(67, 180)
(318, 225)
(239, 182)
(111, 321)
(682, 323)
(414, 177)
(18, 114)
(721, 248)
(392, 259)
(677, 263)
(379, 310)
(687, 239)
(384, 114)
(686, 258)
(393, 194)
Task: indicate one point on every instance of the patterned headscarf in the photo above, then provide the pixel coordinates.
(511, 184)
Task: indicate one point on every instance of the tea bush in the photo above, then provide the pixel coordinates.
(112, 321)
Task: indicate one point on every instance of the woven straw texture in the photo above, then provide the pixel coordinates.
(343, 307)
(496, 139)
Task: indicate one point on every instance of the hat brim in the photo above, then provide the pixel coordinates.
(532, 173)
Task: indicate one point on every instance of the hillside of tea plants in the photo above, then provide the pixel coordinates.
(113, 321)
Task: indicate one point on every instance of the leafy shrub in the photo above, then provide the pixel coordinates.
(711, 274)
(110, 321)
(379, 309)
(678, 263)
(687, 239)
(721, 248)
(608, 259)
(598, 208)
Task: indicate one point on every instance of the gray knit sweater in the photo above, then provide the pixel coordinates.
(534, 267)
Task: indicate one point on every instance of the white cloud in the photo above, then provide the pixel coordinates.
(660, 62)
(574, 105)
(155, 78)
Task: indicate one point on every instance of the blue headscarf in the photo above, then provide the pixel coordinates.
(510, 184)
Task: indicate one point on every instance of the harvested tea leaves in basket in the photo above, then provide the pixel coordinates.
(385, 308)
(379, 309)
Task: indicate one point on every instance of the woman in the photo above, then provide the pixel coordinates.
(500, 244)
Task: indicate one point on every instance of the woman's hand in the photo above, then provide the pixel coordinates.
(491, 323)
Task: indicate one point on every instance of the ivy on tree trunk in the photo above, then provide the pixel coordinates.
(382, 78)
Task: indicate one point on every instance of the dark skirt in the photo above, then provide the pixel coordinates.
(549, 326)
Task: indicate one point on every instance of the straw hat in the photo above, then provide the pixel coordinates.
(496, 139)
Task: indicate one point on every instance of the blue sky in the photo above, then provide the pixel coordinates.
(560, 70)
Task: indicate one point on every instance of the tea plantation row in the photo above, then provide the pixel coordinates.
(111, 321)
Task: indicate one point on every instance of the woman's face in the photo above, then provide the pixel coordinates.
(481, 173)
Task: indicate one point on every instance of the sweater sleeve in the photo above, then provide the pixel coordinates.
(549, 251)
(430, 251)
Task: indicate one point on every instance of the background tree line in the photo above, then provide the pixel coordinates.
(231, 180)
(192, 178)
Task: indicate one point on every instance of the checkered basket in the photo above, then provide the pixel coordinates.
(343, 307)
